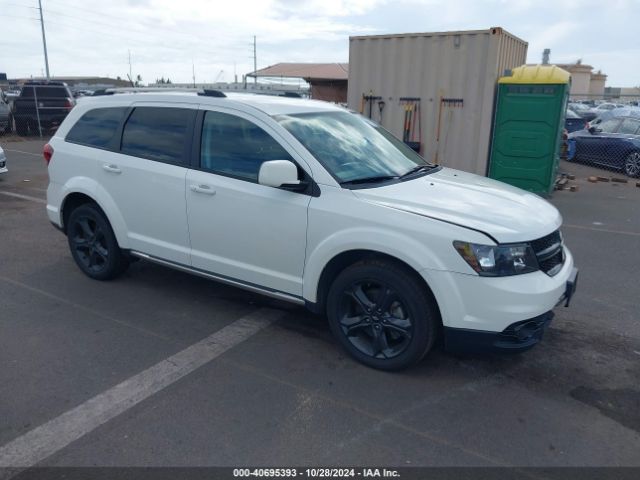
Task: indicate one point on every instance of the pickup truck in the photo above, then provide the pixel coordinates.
(41, 106)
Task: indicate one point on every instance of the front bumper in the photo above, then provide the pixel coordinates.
(517, 337)
(570, 289)
(492, 304)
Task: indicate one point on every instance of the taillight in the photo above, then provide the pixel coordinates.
(47, 153)
(69, 103)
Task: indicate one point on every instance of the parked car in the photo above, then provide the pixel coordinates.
(306, 202)
(583, 110)
(41, 105)
(3, 162)
(573, 121)
(605, 107)
(5, 114)
(611, 140)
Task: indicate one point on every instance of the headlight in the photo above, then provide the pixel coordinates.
(499, 260)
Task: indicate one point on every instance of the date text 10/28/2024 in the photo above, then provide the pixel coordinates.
(316, 472)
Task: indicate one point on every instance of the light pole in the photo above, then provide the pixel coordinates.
(255, 62)
(44, 39)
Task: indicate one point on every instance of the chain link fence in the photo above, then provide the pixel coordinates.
(604, 132)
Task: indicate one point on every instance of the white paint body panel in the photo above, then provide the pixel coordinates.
(507, 213)
(247, 231)
(281, 241)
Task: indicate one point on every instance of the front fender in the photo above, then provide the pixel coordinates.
(394, 244)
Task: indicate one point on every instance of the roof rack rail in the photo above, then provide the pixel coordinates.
(203, 92)
(212, 93)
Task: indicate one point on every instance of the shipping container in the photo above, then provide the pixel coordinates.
(434, 90)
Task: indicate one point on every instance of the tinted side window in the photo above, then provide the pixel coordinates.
(608, 126)
(234, 146)
(158, 133)
(97, 128)
(629, 126)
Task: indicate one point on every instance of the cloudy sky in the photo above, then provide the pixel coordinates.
(91, 37)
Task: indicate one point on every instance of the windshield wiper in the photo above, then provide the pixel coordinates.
(418, 168)
(374, 179)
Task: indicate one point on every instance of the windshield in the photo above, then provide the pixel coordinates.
(578, 106)
(351, 147)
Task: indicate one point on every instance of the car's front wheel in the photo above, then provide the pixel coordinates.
(382, 315)
(632, 164)
(93, 244)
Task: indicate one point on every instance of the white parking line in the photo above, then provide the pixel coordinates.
(606, 230)
(24, 197)
(45, 440)
(26, 153)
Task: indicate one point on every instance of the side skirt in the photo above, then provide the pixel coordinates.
(221, 278)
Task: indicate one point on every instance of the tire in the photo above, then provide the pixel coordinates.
(632, 164)
(93, 244)
(390, 331)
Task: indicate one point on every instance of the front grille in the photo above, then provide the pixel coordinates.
(549, 252)
(543, 243)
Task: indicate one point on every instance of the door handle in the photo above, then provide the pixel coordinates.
(206, 189)
(111, 168)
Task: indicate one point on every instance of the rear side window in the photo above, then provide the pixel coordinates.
(237, 147)
(629, 126)
(97, 128)
(609, 125)
(158, 133)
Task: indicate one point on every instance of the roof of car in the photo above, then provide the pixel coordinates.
(271, 105)
(627, 112)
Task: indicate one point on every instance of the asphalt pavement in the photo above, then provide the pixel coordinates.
(131, 372)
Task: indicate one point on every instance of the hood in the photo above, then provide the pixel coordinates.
(506, 213)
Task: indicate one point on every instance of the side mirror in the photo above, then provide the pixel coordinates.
(594, 129)
(280, 174)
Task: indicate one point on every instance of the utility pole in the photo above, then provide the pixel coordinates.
(44, 39)
(255, 62)
(130, 74)
(193, 71)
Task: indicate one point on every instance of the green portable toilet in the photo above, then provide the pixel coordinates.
(527, 132)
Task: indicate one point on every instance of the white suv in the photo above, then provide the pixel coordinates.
(306, 202)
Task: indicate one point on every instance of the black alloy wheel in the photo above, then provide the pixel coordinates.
(93, 244)
(382, 314)
(90, 244)
(374, 319)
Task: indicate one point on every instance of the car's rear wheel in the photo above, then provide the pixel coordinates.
(93, 244)
(382, 315)
(632, 164)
